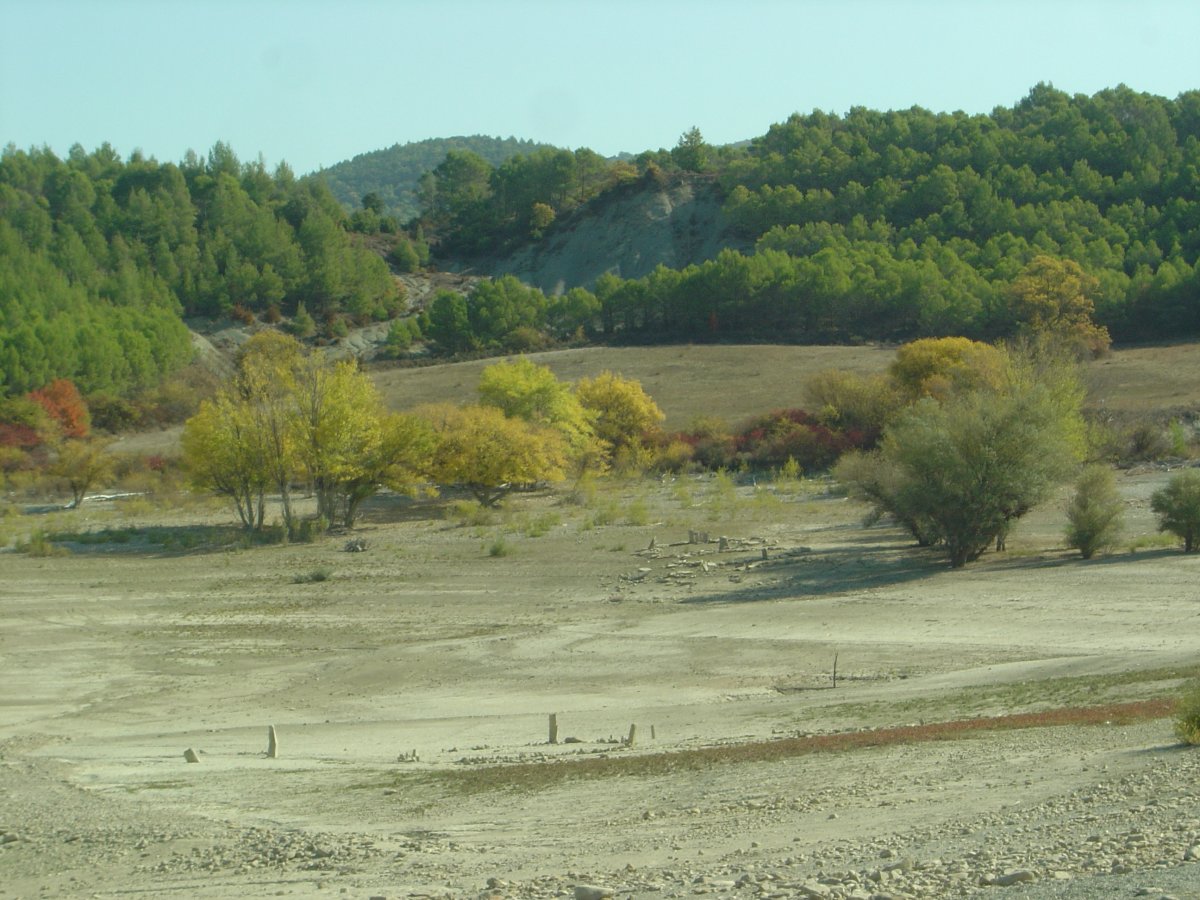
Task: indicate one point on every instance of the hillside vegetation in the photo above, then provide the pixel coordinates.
(1074, 213)
(102, 258)
(892, 225)
(394, 174)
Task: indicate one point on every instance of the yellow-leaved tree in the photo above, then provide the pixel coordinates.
(1054, 298)
(223, 452)
(491, 454)
(288, 416)
(522, 389)
(942, 367)
(624, 417)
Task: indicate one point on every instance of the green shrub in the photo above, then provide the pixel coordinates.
(321, 574)
(585, 490)
(470, 512)
(1187, 715)
(1094, 514)
(605, 515)
(1178, 508)
(1178, 436)
(499, 547)
(637, 513)
(40, 543)
(308, 530)
(790, 470)
(541, 525)
(1146, 441)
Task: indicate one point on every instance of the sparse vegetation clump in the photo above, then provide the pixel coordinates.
(1187, 715)
(1094, 513)
(313, 576)
(39, 543)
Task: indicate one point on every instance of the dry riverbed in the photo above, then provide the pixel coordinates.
(411, 685)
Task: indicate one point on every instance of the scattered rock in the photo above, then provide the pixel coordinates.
(190, 755)
(591, 892)
(1008, 879)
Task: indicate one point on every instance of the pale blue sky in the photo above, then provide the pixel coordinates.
(314, 83)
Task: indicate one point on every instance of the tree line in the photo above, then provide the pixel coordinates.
(829, 297)
(293, 417)
(888, 225)
(868, 226)
(955, 442)
(100, 258)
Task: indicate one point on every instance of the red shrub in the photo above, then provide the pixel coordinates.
(62, 400)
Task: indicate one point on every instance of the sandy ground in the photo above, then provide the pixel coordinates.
(440, 652)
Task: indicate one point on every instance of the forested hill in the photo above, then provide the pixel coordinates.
(882, 225)
(101, 258)
(394, 174)
(868, 226)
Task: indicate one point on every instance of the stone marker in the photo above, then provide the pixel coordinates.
(272, 743)
(190, 755)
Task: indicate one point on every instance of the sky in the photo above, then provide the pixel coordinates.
(315, 83)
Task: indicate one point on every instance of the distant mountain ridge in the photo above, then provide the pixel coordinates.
(395, 172)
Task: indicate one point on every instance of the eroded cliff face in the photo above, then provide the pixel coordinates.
(628, 234)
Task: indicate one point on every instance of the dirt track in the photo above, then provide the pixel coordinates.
(118, 657)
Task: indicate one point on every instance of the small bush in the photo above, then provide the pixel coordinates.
(1178, 508)
(470, 513)
(1146, 442)
(585, 490)
(607, 514)
(1094, 514)
(308, 530)
(676, 456)
(41, 544)
(1178, 435)
(499, 547)
(321, 574)
(1187, 715)
(302, 325)
(637, 513)
(541, 525)
(790, 470)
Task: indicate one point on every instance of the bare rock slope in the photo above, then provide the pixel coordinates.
(628, 234)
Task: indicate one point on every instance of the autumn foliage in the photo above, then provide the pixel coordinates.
(62, 400)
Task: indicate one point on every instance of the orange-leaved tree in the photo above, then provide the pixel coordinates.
(62, 400)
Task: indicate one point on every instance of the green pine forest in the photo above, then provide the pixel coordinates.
(872, 226)
(393, 175)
